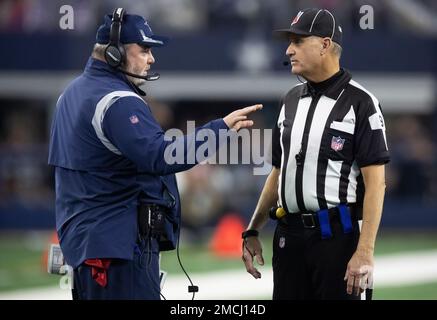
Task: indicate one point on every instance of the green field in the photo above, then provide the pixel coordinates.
(21, 261)
(415, 292)
(199, 259)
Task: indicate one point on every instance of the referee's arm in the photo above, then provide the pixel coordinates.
(374, 181)
(360, 267)
(251, 245)
(267, 199)
(269, 195)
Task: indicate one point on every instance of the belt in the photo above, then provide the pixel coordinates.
(310, 220)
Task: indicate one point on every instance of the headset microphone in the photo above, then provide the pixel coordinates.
(149, 77)
(152, 77)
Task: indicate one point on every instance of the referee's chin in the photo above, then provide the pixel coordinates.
(296, 70)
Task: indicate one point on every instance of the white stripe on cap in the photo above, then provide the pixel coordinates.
(315, 17)
(99, 114)
(333, 26)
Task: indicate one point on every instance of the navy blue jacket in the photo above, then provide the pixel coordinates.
(108, 153)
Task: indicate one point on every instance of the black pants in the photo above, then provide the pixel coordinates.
(127, 279)
(307, 267)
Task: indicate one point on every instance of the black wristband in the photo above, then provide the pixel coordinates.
(250, 233)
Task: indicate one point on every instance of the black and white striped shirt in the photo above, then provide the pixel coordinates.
(321, 140)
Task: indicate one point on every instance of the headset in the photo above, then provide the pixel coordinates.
(115, 54)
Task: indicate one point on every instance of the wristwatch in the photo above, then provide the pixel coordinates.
(250, 233)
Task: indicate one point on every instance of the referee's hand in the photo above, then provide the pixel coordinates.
(238, 119)
(359, 273)
(252, 248)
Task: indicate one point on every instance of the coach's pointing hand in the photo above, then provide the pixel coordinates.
(238, 119)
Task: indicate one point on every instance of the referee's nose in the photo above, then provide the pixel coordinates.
(290, 50)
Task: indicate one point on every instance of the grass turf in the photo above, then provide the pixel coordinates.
(21, 261)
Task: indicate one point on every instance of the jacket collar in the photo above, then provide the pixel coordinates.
(100, 68)
(334, 90)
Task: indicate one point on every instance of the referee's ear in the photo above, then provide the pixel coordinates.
(325, 45)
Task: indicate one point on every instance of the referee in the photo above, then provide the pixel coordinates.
(328, 154)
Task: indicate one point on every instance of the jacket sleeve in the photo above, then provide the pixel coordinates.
(130, 126)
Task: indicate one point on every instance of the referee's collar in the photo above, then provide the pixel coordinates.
(334, 90)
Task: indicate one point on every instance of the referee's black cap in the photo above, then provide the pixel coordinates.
(313, 22)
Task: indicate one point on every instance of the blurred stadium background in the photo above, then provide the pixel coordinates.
(221, 57)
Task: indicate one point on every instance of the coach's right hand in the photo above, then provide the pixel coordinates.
(252, 248)
(238, 119)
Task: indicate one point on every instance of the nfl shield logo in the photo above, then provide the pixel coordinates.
(337, 143)
(281, 242)
(134, 119)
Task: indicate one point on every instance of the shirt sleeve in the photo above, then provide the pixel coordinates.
(370, 135)
(276, 140)
(276, 147)
(130, 126)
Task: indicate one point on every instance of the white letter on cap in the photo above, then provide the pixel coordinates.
(67, 20)
(366, 21)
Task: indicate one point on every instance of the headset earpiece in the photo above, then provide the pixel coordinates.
(114, 52)
(113, 56)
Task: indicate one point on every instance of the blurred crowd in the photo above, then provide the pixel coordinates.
(187, 16)
(413, 170)
(26, 182)
(208, 191)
